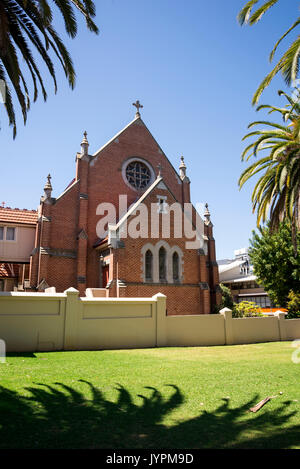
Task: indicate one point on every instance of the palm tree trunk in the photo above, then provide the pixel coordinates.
(297, 210)
(296, 226)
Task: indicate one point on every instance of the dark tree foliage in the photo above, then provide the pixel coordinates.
(274, 262)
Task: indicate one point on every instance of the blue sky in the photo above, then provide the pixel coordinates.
(193, 68)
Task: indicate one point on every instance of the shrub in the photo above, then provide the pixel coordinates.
(246, 309)
(226, 301)
(293, 305)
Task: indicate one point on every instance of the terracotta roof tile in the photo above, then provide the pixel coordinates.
(9, 270)
(16, 215)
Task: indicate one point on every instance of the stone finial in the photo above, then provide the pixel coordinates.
(85, 144)
(182, 168)
(207, 214)
(48, 187)
(138, 106)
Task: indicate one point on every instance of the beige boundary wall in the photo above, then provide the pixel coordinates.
(32, 322)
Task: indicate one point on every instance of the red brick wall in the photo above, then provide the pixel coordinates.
(100, 180)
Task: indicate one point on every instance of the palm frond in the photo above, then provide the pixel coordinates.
(26, 23)
(277, 190)
(258, 14)
(283, 37)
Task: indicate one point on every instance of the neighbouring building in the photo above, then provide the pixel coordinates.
(17, 238)
(79, 243)
(237, 274)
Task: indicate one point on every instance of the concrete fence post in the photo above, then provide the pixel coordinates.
(227, 313)
(281, 325)
(71, 318)
(161, 319)
(2, 351)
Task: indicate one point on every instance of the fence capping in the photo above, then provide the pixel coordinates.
(280, 314)
(71, 291)
(226, 312)
(159, 295)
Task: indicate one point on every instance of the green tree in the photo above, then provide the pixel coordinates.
(274, 263)
(226, 301)
(276, 195)
(293, 305)
(288, 64)
(29, 23)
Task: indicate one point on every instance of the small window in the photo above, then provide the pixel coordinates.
(1, 285)
(1, 233)
(175, 262)
(149, 265)
(10, 234)
(162, 264)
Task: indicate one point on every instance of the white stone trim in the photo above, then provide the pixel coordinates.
(181, 262)
(67, 189)
(169, 261)
(145, 248)
(115, 137)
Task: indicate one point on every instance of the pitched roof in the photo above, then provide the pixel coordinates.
(136, 119)
(135, 205)
(19, 216)
(116, 136)
(232, 265)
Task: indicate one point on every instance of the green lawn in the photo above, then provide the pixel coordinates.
(151, 398)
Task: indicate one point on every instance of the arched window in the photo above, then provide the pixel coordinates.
(149, 265)
(175, 266)
(162, 264)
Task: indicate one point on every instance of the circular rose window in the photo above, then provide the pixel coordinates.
(138, 175)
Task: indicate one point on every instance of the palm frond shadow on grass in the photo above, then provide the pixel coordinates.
(59, 416)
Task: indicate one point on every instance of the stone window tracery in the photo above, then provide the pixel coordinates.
(138, 174)
(162, 263)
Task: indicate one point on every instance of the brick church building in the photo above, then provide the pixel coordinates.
(72, 248)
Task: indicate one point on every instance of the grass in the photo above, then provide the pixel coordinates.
(183, 398)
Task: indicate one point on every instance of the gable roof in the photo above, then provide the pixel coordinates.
(115, 136)
(67, 189)
(135, 205)
(136, 119)
(16, 215)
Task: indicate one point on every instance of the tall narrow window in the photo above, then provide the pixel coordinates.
(162, 264)
(149, 265)
(175, 262)
(1, 233)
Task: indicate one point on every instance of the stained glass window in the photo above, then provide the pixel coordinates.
(138, 175)
(149, 262)
(175, 266)
(162, 264)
